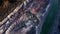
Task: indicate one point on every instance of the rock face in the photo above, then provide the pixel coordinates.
(7, 6)
(25, 19)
